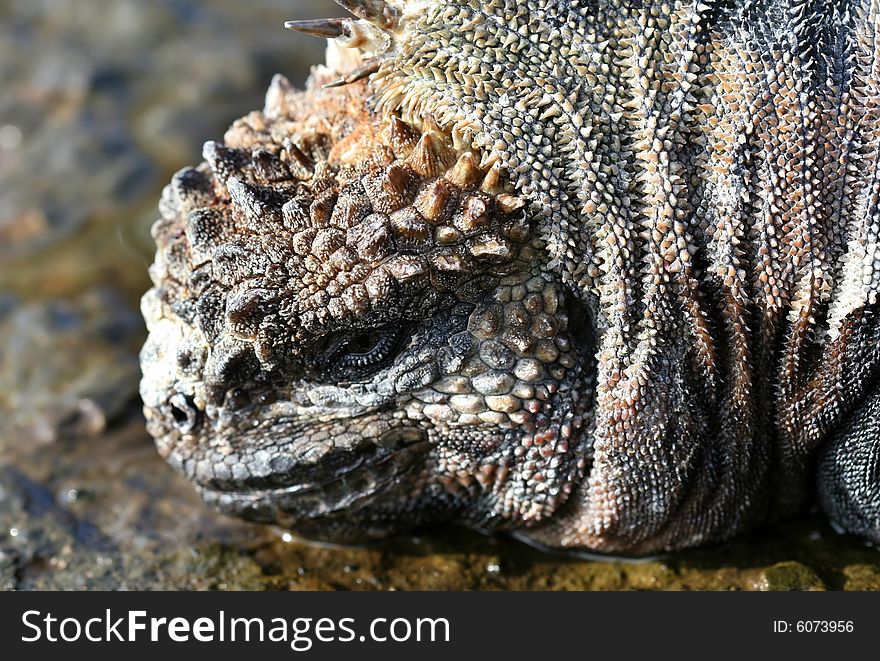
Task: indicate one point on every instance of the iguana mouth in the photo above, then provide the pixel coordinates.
(339, 480)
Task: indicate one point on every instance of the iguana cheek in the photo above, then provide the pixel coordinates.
(508, 413)
(519, 354)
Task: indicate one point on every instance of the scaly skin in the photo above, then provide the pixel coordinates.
(602, 273)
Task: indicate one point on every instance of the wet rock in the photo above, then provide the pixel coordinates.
(788, 576)
(861, 577)
(205, 567)
(36, 532)
(66, 367)
(105, 514)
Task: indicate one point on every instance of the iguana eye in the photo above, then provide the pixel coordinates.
(362, 353)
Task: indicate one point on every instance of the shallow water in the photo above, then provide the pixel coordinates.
(103, 100)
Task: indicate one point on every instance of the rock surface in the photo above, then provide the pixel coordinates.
(66, 368)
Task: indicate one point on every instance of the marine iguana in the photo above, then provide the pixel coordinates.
(601, 272)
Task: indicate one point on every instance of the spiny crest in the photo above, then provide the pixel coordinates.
(379, 12)
(329, 225)
(371, 31)
(370, 39)
(383, 14)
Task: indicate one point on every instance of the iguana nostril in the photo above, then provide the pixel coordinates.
(185, 413)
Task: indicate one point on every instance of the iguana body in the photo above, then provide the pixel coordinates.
(604, 273)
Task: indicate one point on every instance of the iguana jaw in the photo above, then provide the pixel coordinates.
(334, 486)
(273, 455)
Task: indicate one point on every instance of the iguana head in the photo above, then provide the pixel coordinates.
(353, 329)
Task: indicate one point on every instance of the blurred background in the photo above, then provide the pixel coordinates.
(102, 101)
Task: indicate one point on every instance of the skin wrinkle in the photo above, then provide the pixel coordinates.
(604, 273)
